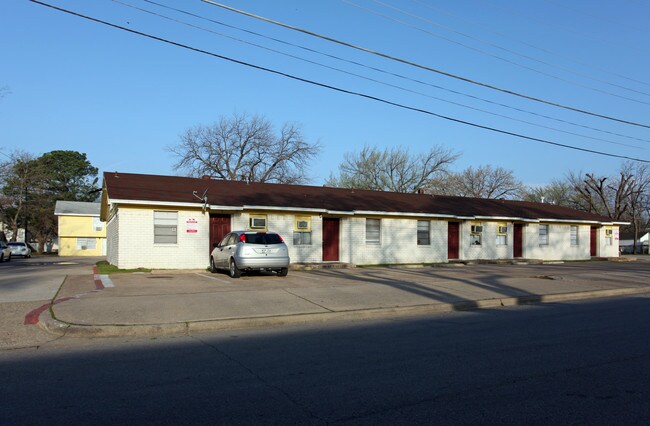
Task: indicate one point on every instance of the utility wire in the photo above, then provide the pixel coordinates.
(380, 70)
(338, 89)
(424, 67)
(365, 77)
(496, 46)
(541, 49)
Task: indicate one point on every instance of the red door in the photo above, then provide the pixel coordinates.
(219, 227)
(517, 241)
(453, 239)
(330, 239)
(593, 240)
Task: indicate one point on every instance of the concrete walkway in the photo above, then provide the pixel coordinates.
(181, 302)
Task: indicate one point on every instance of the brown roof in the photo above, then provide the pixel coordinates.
(175, 189)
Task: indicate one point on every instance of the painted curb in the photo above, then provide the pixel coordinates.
(55, 326)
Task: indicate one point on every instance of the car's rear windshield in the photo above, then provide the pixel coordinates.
(263, 239)
(16, 244)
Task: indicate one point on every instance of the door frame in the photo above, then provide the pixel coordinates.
(333, 240)
(518, 240)
(452, 225)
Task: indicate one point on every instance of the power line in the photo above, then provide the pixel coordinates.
(541, 49)
(496, 46)
(421, 82)
(424, 67)
(338, 89)
(362, 76)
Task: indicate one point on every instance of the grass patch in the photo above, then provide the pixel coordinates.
(104, 268)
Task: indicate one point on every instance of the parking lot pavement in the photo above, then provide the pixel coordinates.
(149, 303)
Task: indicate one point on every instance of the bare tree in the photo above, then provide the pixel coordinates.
(480, 182)
(559, 191)
(242, 147)
(639, 200)
(604, 195)
(391, 169)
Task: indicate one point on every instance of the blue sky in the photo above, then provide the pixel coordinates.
(123, 98)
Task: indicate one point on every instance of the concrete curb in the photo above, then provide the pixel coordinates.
(52, 325)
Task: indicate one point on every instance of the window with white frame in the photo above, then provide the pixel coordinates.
(301, 238)
(165, 227)
(302, 231)
(86, 243)
(609, 236)
(502, 234)
(373, 231)
(257, 221)
(424, 232)
(476, 234)
(543, 235)
(98, 225)
(574, 235)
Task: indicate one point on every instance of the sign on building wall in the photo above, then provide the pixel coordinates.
(191, 226)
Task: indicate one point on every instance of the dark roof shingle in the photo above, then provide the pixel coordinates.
(175, 189)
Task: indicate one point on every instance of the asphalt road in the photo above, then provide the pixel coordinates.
(584, 363)
(26, 284)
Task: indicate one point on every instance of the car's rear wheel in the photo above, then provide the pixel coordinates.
(2, 257)
(234, 270)
(212, 267)
(283, 272)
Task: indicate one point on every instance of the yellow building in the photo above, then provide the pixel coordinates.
(81, 232)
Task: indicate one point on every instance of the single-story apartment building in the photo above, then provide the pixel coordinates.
(173, 222)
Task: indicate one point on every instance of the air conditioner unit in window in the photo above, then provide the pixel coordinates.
(302, 224)
(608, 232)
(477, 229)
(257, 223)
(503, 229)
(84, 248)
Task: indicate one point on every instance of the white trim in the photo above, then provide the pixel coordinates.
(340, 212)
(285, 209)
(546, 220)
(155, 203)
(77, 214)
(380, 213)
(213, 207)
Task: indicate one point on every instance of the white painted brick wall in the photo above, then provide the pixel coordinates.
(398, 242)
(605, 249)
(137, 248)
(489, 249)
(559, 243)
(284, 224)
(112, 240)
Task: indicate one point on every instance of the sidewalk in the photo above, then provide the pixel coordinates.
(175, 302)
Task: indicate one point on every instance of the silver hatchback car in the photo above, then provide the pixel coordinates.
(242, 251)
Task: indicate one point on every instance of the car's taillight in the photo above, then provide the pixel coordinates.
(242, 238)
(280, 237)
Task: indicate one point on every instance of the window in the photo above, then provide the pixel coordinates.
(502, 234)
(164, 227)
(475, 234)
(86, 244)
(98, 225)
(574, 235)
(543, 235)
(424, 228)
(301, 238)
(257, 221)
(373, 231)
